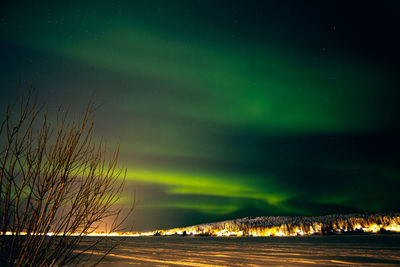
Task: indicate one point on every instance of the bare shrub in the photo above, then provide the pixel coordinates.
(57, 185)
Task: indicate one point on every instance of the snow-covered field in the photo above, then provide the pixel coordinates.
(343, 250)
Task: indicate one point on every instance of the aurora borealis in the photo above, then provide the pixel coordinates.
(224, 109)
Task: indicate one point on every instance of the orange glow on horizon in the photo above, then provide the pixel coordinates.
(225, 229)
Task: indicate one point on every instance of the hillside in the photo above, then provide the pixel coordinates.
(294, 225)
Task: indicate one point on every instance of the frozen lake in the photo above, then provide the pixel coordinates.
(354, 250)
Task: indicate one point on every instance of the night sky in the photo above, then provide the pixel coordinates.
(224, 109)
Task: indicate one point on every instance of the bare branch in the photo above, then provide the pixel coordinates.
(56, 185)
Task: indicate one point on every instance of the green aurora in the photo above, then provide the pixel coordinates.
(226, 109)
